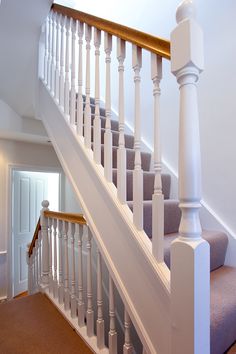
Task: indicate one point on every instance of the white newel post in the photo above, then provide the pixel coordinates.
(190, 270)
(45, 245)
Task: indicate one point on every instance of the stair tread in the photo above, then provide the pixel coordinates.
(218, 241)
(223, 309)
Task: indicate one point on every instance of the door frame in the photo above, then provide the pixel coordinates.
(9, 206)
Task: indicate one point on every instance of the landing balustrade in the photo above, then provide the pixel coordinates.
(71, 38)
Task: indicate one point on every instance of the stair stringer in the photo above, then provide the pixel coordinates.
(143, 284)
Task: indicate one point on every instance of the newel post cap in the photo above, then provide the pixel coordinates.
(186, 40)
(45, 203)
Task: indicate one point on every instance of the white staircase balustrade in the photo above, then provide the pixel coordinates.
(50, 255)
(57, 70)
(190, 278)
(157, 198)
(46, 54)
(174, 301)
(53, 64)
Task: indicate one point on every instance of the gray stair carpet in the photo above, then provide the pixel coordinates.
(223, 279)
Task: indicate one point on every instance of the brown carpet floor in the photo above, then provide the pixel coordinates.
(33, 325)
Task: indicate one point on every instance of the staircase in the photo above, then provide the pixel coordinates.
(155, 251)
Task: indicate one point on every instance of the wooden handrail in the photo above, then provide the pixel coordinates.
(154, 44)
(75, 218)
(35, 237)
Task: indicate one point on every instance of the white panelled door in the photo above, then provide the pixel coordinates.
(29, 189)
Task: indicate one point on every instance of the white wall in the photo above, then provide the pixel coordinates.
(217, 104)
(24, 154)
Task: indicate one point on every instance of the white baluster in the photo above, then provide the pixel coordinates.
(36, 266)
(45, 245)
(66, 267)
(81, 308)
(112, 332)
(67, 70)
(53, 66)
(97, 120)
(57, 71)
(89, 312)
(100, 320)
(108, 134)
(157, 198)
(50, 254)
(34, 272)
(40, 257)
(46, 51)
(87, 112)
(73, 296)
(190, 277)
(121, 153)
(138, 172)
(60, 265)
(73, 88)
(55, 285)
(127, 348)
(62, 65)
(80, 81)
(49, 66)
(28, 260)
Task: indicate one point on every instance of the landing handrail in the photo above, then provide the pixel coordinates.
(154, 44)
(69, 217)
(35, 237)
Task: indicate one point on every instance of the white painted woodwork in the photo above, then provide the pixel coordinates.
(67, 71)
(34, 269)
(158, 197)
(50, 254)
(49, 66)
(87, 110)
(81, 305)
(28, 261)
(66, 267)
(62, 65)
(60, 263)
(112, 338)
(36, 266)
(46, 51)
(190, 277)
(73, 294)
(55, 284)
(80, 81)
(108, 133)
(73, 87)
(135, 250)
(40, 256)
(100, 319)
(138, 172)
(57, 70)
(121, 153)
(97, 120)
(29, 189)
(53, 65)
(127, 348)
(45, 244)
(89, 312)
